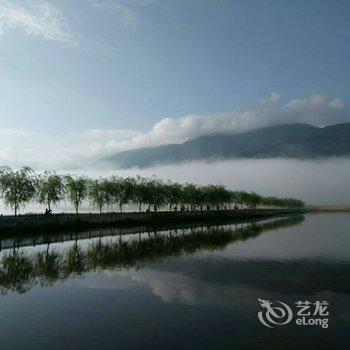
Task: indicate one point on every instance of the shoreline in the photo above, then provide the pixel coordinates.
(16, 241)
(58, 222)
(328, 209)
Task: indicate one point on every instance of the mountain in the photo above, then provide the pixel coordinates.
(4, 167)
(301, 141)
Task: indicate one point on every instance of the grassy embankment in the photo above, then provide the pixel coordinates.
(57, 222)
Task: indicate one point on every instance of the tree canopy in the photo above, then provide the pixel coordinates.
(49, 188)
(17, 187)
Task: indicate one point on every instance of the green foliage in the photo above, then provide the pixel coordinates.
(121, 190)
(49, 188)
(21, 186)
(140, 193)
(216, 196)
(76, 189)
(100, 193)
(156, 193)
(17, 187)
(174, 194)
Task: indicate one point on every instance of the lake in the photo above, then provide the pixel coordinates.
(191, 287)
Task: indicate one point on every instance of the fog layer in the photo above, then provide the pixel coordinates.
(318, 182)
(323, 182)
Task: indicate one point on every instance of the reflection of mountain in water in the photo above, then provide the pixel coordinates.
(301, 276)
(20, 271)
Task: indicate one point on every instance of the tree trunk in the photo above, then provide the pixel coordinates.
(49, 204)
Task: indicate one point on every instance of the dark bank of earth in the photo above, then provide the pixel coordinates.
(55, 222)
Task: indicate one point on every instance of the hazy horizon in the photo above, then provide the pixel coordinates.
(85, 79)
(317, 182)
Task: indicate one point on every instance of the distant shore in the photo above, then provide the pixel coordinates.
(328, 208)
(56, 222)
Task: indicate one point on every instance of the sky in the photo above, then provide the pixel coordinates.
(86, 78)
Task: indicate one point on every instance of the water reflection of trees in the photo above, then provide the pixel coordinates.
(19, 271)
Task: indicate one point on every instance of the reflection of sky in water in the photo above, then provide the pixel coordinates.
(189, 293)
(323, 236)
(106, 236)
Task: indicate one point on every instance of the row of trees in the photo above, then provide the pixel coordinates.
(49, 188)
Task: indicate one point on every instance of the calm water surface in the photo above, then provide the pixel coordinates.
(184, 288)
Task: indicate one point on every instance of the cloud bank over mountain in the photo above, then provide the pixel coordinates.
(80, 149)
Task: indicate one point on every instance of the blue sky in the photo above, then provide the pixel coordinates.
(103, 75)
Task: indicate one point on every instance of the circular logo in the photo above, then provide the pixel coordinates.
(274, 313)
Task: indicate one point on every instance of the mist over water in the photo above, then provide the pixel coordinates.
(317, 182)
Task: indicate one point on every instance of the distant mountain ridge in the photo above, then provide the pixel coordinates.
(301, 141)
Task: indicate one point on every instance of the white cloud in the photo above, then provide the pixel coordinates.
(171, 287)
(178, 287)
(317, 110)
(40, 18)
(125, 10)
(127, 16)
(13, 133)
(100, 134)
(337, 103)
(81, 149)
(35, 17)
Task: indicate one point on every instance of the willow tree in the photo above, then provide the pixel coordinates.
(173, 194)
(122, 190)
(224, 195)
(254, 200)
(99, 193)
(212, 195)
(244, 198)
(289, 202)
(156, 193)
(140, 193)
(192, 195)
(17, 187)
(76, 189)
(49, 188)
